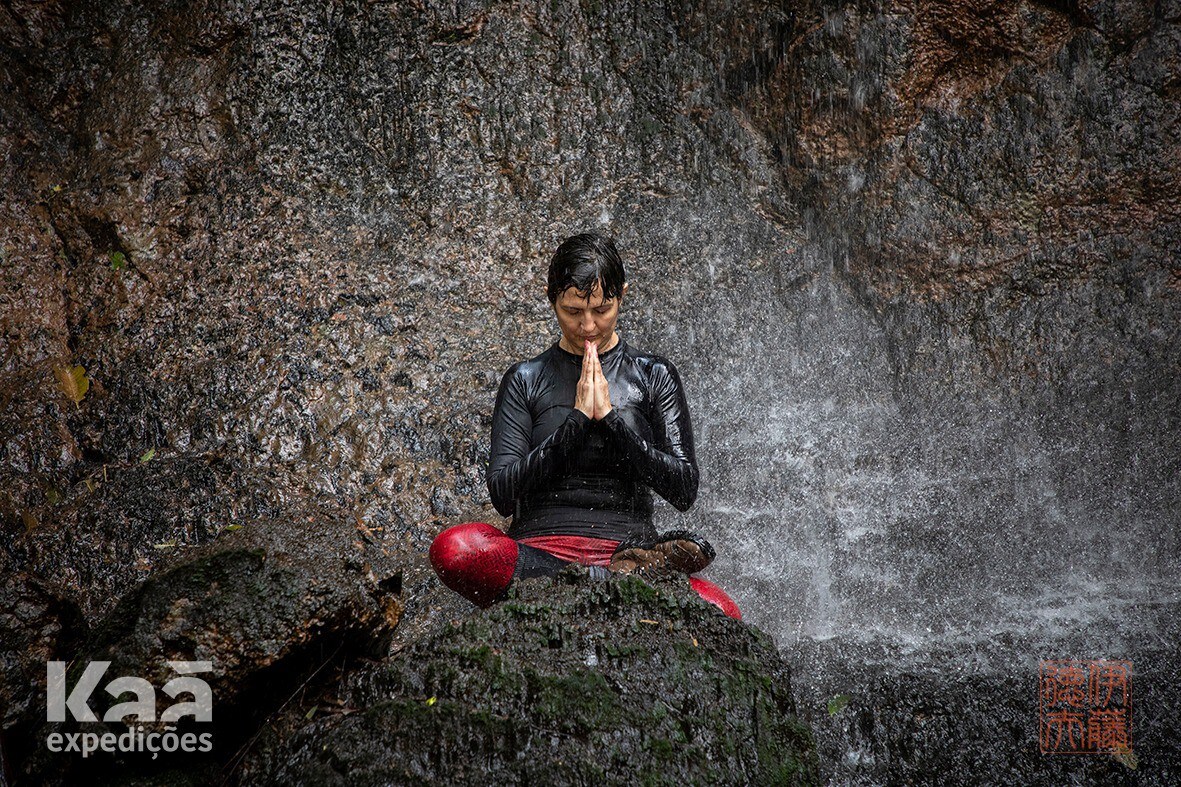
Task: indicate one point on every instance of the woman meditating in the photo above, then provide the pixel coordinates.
(581, 437)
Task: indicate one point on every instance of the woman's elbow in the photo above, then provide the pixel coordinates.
(687, 494)
(501, 498)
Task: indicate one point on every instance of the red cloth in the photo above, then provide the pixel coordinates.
(576, 549)
(716, 596)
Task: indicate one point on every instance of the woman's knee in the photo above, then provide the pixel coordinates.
(457, 544)
(475, 560)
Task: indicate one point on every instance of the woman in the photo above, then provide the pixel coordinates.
(581, 436)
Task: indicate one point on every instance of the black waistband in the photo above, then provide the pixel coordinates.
(587, 522)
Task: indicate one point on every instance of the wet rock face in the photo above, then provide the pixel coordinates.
(120, 523)
(315, 237)
(248, 603)
(964, 710)
(567, 681)
(907, 244)
(995, 190)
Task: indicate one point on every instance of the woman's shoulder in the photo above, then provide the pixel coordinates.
(652, 364)
(647, 357)
(530, 368)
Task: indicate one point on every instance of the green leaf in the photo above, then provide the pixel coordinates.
(148, 455)
(837, 704)
(232, 528)
(432, 701)
(308, 716)
(118, 260)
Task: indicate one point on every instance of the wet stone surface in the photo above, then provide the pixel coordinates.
(570, 680)
(266, 608)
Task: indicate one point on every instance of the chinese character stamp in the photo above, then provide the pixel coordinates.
(1085, 707)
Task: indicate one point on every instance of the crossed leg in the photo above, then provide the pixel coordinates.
(479, 561)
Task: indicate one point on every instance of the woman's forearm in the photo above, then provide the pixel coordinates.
(511, 474)
(671, 473)
(515, 468)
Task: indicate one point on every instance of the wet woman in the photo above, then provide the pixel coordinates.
(582, 435)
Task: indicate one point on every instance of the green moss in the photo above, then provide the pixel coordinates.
(741, 681)
(661, 749)
(625, 650)
(579, 702)
(440, 677)
(398, 708)
(631, 590)
(432, 720)
(568, 672)
(481, 655)
(688, 652)
(517, 609)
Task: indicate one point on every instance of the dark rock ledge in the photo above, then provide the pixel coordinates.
(269, 606)
(568, 681)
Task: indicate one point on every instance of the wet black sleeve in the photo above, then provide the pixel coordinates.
(669, 466)
(513, 468)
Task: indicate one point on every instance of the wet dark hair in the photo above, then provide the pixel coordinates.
(581, 261)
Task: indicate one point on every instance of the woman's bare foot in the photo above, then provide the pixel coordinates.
(676, 550)
(684, 551)
(637, 559)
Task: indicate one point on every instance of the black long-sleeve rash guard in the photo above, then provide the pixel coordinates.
(557, 472)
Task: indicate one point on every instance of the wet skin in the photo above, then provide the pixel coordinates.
(589, 323)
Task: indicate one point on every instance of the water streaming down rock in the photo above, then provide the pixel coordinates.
(916, 266)
(971, 447)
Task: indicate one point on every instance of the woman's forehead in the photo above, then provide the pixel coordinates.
(571, 297)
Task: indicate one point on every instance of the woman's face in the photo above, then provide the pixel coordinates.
(587, 318)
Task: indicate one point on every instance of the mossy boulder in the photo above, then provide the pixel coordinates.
(569, 680)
